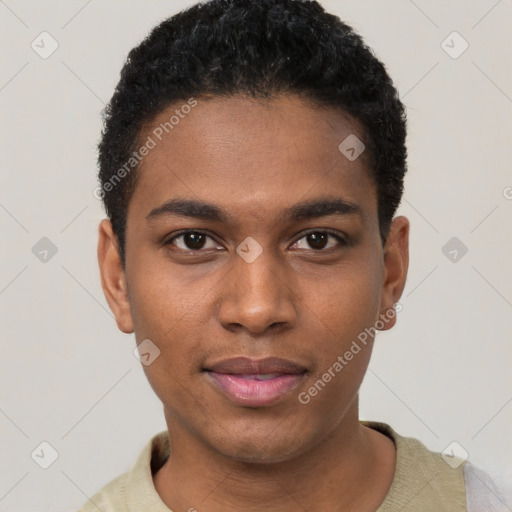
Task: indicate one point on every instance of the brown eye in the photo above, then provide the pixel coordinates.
(192, 241)
(318, 240)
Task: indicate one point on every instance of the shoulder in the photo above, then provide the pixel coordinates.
(424, 480)
(134, 489)
(110, 498)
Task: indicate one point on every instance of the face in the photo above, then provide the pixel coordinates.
(253, 262)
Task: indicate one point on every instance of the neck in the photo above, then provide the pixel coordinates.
(351, 468)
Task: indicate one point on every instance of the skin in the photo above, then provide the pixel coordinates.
(297, 300)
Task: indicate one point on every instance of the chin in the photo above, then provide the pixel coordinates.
(253, 455)
(263, 447)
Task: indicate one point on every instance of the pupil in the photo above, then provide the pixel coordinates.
(194, 240)
(317, 240)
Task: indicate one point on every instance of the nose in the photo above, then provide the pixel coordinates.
(257, 295)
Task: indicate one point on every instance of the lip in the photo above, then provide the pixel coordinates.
(246, 365)
(255, 383)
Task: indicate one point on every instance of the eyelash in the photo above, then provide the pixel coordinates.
(342, 242)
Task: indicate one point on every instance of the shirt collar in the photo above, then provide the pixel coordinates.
(141, 495)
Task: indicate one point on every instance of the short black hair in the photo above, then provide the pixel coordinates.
(260, 48)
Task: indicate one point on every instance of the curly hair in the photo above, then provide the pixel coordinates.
(260, 48)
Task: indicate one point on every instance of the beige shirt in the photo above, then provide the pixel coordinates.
(422, 482)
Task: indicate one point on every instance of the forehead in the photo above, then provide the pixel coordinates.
(251, 156)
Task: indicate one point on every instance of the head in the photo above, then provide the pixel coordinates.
(251, 164)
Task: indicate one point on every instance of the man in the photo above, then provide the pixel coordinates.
(251, 164)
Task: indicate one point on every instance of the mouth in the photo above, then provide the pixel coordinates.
(255, 383)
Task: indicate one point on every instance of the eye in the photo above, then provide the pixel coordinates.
(318, 240)
(192, 241)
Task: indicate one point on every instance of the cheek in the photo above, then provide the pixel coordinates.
(158, 301)
(164, 314)
(348, 301)
(347, 308)
(168, 315)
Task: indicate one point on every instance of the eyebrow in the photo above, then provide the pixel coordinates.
(300, 211)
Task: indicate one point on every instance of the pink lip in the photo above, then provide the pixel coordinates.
(248, 391)
(241, 379)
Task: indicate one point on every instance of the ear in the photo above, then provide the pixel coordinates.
(396, 264)
(113, 278)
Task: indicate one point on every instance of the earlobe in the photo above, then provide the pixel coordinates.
(113, 277)
(396, 264)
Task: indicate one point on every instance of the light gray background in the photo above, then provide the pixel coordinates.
(69, 377)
